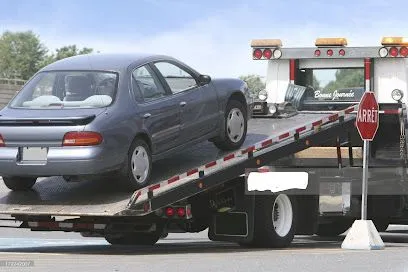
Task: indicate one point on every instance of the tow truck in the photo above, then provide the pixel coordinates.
(297, 172)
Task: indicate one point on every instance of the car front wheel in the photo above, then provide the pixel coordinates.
(19, 183)
(235, 126)
(136, 174)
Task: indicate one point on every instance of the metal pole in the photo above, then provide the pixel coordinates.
(365, 181)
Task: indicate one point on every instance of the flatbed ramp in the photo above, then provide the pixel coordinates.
(54, 196)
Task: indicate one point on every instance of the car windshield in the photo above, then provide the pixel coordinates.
(67, 89)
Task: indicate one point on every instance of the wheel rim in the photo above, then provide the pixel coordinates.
(235, 125)
(282, 215)
(140, 164)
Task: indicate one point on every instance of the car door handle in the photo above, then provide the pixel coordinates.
(147, 115)
(182, 104)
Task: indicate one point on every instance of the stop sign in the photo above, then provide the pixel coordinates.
(367, 116)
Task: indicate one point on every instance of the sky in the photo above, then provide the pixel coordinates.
(212, 36)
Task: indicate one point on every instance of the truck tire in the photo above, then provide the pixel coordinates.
(235, 126)
(137, 171)
(19, 183)
(275, 218)
(333, 228)
(133, 239)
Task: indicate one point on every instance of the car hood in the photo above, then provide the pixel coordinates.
(14, 116)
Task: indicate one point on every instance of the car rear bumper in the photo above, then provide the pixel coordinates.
(60, 161)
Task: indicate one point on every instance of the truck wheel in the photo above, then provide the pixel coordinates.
(334, 228)
(274, 221)
(136, 173)
(19, 183)
(235, 126)
(135, 239)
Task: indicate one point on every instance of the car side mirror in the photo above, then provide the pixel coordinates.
(204, 79)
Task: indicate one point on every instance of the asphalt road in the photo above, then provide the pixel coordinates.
(194, 252)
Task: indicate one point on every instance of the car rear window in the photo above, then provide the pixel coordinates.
(68, 89)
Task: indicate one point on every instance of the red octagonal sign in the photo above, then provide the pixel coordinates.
(367, 116)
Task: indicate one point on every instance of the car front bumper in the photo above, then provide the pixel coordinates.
(59, 161)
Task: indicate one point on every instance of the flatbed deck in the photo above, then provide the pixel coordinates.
(54, 196)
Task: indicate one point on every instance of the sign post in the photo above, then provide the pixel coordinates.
(363, 234)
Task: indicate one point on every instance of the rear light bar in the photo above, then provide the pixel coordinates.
(2, 143)
(330, 52)
(82, 138)
(266, 53)
(393, 52)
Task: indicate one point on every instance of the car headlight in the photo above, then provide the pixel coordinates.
(397, 95)
(263, 95)
(272, 109)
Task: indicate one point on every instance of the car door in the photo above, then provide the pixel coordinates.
(157, 108)
(198, 104)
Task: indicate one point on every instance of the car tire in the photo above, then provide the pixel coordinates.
(234, 137)
(19, 183)
(133, 176)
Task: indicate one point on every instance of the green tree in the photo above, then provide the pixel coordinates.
(65, 52)
(346, 78)
(254, 83)
(21, 54)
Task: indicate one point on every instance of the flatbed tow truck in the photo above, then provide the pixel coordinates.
(202, 188)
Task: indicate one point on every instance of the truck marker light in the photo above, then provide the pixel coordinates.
(277, 53)
(342, 52)
(393, 52)
(317, 53)
(330, 52)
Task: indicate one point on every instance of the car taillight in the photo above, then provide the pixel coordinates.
(169, 212)
(181, 212)
(81, 138)
(2, 144)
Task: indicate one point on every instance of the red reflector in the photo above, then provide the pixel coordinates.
(342, 52)
(267, 53)
(181, 212)
(317, 53)
(404, 51)
(2, 143)
(169, 212)
(257, 53)
(393, 51)
(330, 52)
(82, 138)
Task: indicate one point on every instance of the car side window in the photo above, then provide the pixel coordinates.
(177, 78)
(149, 87)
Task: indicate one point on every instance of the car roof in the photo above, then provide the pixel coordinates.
(103, 61)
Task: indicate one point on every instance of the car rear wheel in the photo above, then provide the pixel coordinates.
(19, 183)
(235, 126)
(136, 174)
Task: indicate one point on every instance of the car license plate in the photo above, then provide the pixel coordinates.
(34, 154)
(258, 107)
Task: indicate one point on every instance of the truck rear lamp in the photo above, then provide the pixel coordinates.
(267, 53)
(403, 51)
(317, 53)
(330, 52)
(393, 52)
(277, 53)
(181, 212)
(257, 53)
(2, 143)
(169, 212)
(342, 52)
(82, 138)
(383, 52)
